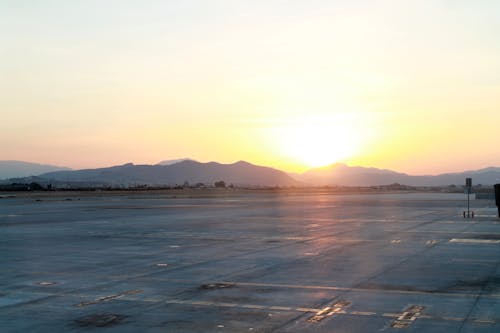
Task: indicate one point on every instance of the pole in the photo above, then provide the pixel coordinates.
(468, 203)
(468, 188)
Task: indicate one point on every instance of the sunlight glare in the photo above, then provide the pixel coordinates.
(320, 141)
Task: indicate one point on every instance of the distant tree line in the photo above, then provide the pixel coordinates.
(220, 183)
(33, 186)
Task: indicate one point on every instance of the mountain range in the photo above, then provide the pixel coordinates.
(178, 172)
(341, 174)
(240, 173)
(15, 169)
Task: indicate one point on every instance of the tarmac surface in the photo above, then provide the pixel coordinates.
(248, 262)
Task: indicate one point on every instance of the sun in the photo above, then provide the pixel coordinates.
(317, 142)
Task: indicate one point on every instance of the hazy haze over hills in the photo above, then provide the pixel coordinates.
(12, 169)
(341, 174)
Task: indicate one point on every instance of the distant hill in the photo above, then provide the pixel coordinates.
(239, 173)
(13, 169)
(486, 176)
(341, 174)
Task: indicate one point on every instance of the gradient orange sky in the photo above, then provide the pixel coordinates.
(412, 86)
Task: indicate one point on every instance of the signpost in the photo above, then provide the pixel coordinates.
(468, 189)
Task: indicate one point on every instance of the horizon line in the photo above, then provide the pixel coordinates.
(180, 160)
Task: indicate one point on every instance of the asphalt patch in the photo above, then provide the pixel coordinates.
(100, 320)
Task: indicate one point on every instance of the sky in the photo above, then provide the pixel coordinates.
(412, 86)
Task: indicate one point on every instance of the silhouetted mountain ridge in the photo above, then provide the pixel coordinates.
(243, 173)
(239, 173)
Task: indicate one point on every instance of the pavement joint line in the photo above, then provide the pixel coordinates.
(452, 318)
(292, 286)
(425, 317)
(107, 298)
(407, 292)
(495, 234)
(484, 321)
(474, 241)
(362, 313)
(148, 299)
(177, 301)
(227, 305)
(283, 308)
(248, 306)
(475, 260)
(202, 303)
(307, 309)
(252, 306)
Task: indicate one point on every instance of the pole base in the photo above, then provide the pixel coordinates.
(470, 214)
